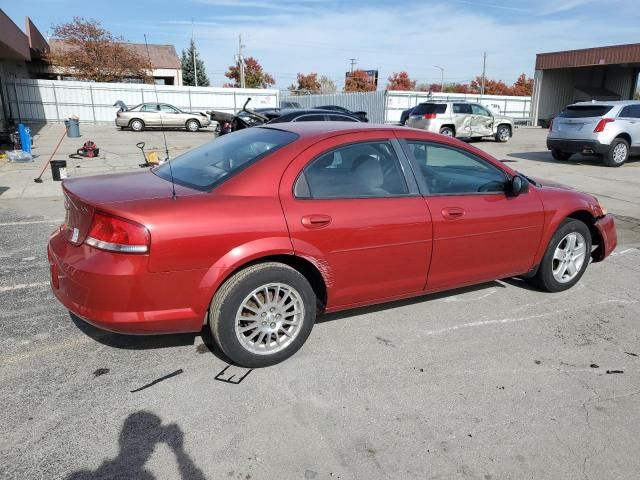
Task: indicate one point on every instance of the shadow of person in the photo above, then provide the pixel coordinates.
(138, 438)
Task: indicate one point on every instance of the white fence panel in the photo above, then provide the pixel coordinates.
(371, 102)
(40, 101)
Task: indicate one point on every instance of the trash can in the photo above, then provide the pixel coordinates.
(73, 127)
(58, 170)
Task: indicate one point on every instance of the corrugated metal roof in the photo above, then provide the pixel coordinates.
(614, 54)
(162, 56)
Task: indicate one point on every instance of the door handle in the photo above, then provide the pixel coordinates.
(316, 221)
(452, 213)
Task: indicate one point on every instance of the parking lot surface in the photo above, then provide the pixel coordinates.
(495, 381)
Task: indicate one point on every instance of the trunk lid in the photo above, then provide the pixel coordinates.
(83, 196)
(578, 122)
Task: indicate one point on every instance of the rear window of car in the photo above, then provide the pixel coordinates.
(429, 108)
(585, 111)
(208, 165)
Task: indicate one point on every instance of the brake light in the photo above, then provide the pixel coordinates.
(429, 116)
(602, 124)
(117, 234)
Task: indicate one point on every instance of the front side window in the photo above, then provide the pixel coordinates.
(340, 118)
(210, 164)
(167, 108)
(368, 169)
(310, 118)
(478, 110)
(449, 171)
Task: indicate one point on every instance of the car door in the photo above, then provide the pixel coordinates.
(481, 121)
(630, 115)
(479, 233)
(171, 117)
(461, 114)
(150, 114)
(353, 207)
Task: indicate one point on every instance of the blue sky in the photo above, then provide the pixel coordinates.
(290, 36)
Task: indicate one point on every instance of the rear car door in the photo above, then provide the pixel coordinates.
(461, 114)
(150, 114)
(481, 121)
(352, 205)
(631, 117)
(479, 233)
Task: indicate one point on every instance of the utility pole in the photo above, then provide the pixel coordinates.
(484, 72)
(193, 53)
(441, 78)
(240, 61)
(353, 63)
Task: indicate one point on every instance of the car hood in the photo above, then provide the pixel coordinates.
(543, 182)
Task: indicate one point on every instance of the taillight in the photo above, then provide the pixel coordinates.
(601, 124)
(117, 234)
(429, 116)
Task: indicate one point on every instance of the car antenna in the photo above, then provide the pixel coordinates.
(164, 136)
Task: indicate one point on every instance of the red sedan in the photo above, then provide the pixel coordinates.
(271, 225)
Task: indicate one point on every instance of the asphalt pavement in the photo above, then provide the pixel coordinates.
(496, 381)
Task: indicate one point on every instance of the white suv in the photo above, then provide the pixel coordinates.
(610, 130)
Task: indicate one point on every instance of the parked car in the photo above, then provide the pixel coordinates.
(274, 224)
(461, 120)
(311, 115)
(160, 115)
(289, 104)
(610, 130)
(404, 116)
(362, 115)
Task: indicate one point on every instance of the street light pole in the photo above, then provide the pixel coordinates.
(441, 78)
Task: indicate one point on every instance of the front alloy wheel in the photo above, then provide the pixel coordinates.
(503, 134)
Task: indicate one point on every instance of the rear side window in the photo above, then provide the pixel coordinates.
(310, 118)
(423, 108)
(367, 169)
(630, 111)
(463, 108)
(210, 164)
(585, 111)
(150, 107)
(340, 118)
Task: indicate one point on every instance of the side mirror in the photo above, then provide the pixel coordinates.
(517, 185)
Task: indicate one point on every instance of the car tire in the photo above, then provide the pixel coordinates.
(503, 134)
(617, 154)
(565, 260)
(281, 301)
(447, 131)
(560, 155)
(192, 125)
(136, 125)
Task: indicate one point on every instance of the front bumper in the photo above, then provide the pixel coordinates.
(586, 147)
(607, 228)
(116, 292)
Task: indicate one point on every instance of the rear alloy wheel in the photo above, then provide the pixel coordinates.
(193, 125)
(263, 314)
(503, 134)
(566, 258)
(136, 125)
(618, 153)
(560, 155)
(447, 131)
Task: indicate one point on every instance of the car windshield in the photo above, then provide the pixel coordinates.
(429, 108)
(208, 165)
(585, 111)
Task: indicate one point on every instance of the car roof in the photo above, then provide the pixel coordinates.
(329, 129)
(605, 102)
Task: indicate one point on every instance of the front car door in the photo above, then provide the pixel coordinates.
(353, 208)
(479, 233)
(171, 117)
(481, 121)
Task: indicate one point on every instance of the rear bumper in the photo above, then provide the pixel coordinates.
(607, 227)
(587, 147)
(116, 292)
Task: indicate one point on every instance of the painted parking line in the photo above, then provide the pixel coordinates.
(21, 286)
(32, 222)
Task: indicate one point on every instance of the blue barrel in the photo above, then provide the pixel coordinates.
(73, 127)
(25, 137)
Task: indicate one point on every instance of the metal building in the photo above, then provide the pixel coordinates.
(603, 73)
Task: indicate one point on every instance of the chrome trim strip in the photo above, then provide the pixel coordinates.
(116, 247)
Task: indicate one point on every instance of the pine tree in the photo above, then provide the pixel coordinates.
(187, 67)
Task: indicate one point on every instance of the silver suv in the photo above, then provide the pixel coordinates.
(461, 119)
(610, 130)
